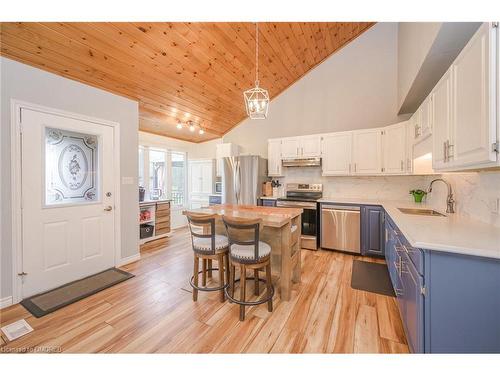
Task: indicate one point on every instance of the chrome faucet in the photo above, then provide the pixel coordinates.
(450, 201)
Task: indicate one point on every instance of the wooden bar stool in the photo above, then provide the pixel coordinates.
(208, 246)
(248, 252)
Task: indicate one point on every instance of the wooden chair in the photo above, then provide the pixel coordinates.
(248, 252)
(208, 246)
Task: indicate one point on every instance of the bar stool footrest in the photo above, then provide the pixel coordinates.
(207, 289)
(249, 303)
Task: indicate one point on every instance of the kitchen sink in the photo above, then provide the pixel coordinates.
(420, 211)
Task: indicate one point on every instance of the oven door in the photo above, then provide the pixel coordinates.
(309, 222)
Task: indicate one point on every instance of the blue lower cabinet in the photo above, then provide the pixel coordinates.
(462, 304)
(449, 303)
(372, 231)
(412, 293)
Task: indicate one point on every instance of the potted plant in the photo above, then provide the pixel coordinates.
(418, 195)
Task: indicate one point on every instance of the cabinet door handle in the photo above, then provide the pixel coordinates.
(402, 165)
(349, 167)
(444, 152)
(355, 167)
(450, 153)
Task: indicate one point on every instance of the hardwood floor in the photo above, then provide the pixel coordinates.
(154, 313)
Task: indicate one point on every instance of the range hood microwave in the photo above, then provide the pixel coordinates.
(301, 162)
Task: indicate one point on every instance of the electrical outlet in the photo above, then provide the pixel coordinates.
(495, 205)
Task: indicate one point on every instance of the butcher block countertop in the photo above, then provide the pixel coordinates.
(271, 216)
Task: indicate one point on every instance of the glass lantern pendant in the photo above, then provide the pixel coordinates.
(257, 98)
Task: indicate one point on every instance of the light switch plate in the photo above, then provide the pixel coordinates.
(127, 180)
(495, 205)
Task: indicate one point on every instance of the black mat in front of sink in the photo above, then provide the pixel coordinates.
(371, 277)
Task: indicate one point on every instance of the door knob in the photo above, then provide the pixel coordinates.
(108, 208)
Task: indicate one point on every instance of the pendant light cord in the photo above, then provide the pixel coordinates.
(257, 54)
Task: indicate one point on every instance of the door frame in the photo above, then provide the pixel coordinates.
(16, 183)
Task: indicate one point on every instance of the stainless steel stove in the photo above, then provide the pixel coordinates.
(305, 196)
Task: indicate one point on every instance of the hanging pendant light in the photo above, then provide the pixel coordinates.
(257, 98)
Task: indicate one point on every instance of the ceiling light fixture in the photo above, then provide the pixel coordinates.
(257, 98)
(192, 127)
(201, 131)
(179, 125)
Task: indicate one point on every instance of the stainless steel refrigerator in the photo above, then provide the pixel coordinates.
(242, 179)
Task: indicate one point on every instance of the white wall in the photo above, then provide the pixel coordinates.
(22, 82)
(415, 41)
(205, 150)
(425, 52)
(355, 88)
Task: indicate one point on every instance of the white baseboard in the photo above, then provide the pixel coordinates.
(5, 302)
(127, 260)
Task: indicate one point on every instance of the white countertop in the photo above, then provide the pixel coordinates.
(454, 233)
(269, 198)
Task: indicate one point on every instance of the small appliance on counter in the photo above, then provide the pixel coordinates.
(142, 192)
(218, 186)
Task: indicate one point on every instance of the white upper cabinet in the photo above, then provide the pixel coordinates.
(290, 147)
(425, 128)
(442, 136)
(394, 148)
(310, 146)
(422, 120)
(474, 95)
(409, 147)
(274, 168)
(337, 151)
(367, 152)
(464, 111)
(301, 147)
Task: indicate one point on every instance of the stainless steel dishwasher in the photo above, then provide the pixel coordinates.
(340, 228)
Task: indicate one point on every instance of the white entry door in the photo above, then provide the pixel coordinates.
(67, 200)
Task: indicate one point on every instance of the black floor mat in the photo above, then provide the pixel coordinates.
(47, 302)
(371, 277)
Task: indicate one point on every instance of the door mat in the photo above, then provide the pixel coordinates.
(371, 277)
(45, 303)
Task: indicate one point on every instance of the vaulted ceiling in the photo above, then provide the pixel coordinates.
(179, 71)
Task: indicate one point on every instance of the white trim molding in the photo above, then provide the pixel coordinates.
(5, 302)
(127, 260)
(15, 126)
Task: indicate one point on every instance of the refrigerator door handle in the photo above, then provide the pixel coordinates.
(237, 181)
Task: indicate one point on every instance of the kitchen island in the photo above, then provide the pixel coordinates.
(281, 230)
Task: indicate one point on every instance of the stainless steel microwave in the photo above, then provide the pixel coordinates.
(218, 187)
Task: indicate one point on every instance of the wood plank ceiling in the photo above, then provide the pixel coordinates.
(179, 71)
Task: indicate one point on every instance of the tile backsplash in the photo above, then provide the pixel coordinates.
(379, 187)
(474, 194)
(473, 191)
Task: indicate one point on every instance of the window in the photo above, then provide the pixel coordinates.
(163, 174)
(157, 174)
(141, 167)
(70, 167)
(178, 178)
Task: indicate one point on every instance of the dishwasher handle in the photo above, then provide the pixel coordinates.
(329, 207)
